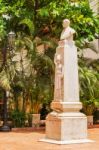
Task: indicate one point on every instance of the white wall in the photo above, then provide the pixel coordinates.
(94, 4)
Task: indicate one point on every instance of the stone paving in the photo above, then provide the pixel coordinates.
(30, 141)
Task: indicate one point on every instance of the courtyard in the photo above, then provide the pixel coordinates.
(29, 140)
(49, 77)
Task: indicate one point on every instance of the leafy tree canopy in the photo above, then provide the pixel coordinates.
(43, 18)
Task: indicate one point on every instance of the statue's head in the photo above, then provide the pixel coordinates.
(66, 23)
(58, 59)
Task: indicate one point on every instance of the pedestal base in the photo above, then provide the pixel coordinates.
(66, 127)
(65, 142)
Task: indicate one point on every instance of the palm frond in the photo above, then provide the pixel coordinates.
(28, 23)
(4, 81)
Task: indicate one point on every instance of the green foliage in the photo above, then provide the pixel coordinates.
(7, 73)
(89, 106)
(41, 18)
(28, 23)
(18, 118)
(2, 28)
(37, 22)
(88, 81)
(4, 81)
(89, 89)
(95, 65)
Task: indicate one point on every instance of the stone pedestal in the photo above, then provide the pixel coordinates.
(66, 128)
(65, 124)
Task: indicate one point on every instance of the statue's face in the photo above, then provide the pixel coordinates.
(58, 60)
(65, 23)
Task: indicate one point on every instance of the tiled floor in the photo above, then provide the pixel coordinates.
(30, 141)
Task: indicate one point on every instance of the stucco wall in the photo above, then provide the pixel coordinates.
(94, 4)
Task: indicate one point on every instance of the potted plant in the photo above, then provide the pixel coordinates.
(89, 90)
(36, 114)
(89, 107)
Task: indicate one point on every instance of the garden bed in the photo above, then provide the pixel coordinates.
(28, 129)
(42, 128)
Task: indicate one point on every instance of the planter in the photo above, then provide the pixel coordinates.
(89, 120)
(35, 120)
(1, 123)
(96, 116)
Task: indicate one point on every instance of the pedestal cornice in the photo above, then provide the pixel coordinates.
(66, 106)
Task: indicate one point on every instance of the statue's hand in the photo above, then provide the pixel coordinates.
(62, 42)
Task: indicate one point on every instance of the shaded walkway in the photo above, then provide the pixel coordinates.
(29, 141)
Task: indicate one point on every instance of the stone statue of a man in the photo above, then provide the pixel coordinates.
(67, 33)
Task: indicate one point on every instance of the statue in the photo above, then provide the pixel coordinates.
(58, 77)
(67, 33)
(63, 122)
(70, 55)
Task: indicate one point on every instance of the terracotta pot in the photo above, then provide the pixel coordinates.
(35, 120)
(89, 120)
